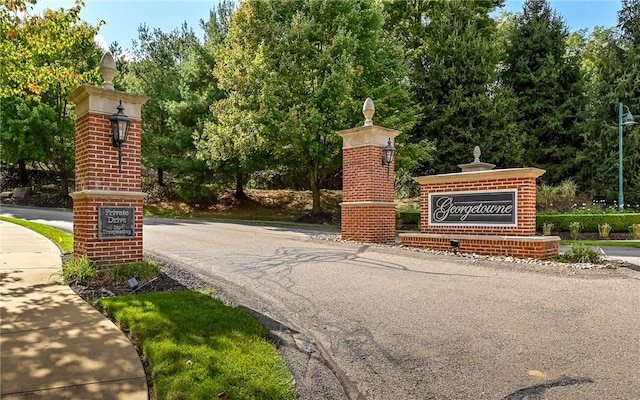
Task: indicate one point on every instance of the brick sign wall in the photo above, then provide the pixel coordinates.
(520, 181)
(485, 212)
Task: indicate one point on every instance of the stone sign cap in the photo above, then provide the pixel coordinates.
(476, 165)
(88, 98)
(480, 175)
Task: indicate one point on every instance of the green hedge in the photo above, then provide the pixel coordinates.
(589, 222)
(409, 217)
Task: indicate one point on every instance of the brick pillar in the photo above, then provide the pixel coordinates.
(368, 210)
(107, 203)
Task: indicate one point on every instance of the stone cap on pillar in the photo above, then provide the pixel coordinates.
(88, 98)
(369, 134)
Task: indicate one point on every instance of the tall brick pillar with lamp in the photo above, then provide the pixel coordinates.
(107, 203)
(368, 210)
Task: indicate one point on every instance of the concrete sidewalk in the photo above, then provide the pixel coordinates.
(53, 345)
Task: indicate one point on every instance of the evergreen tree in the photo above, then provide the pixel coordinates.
(612, 65)
(451, 47)
(549, 87)
(174, 70)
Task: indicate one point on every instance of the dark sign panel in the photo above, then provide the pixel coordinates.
(115, 222)
(473, 208)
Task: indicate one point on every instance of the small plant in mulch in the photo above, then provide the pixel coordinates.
(604, 230)
(581, 254)
(79, 271)
(635, 231)
(574, 229)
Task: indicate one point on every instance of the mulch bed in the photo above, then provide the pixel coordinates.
(171, 279)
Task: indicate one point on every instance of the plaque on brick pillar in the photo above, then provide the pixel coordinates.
(107, 203)
(368, 209)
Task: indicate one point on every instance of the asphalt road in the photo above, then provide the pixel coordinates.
(362, 321)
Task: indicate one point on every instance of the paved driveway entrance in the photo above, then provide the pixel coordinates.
(394, 323)
(374, 322)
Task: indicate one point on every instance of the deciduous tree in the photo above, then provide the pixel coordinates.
(296, 72)
(43, 57)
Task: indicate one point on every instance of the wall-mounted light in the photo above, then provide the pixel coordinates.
(388, 153)
(120, 125)
(454, 245)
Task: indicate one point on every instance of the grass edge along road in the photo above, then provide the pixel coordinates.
(61, 238)
(194, 345)
(198, 348)
(602, 243)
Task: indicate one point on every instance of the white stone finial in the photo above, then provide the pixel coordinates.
(368, 110)
(108, 70)
(476, 154)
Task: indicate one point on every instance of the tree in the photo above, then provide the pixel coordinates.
(451, 46)
(41, 52)
(549, 87)
(174, 69)
(611, 58)
(295, 72)
(43, 58)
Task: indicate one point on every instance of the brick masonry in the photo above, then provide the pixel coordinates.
(539, 247)
(98, 179)
(369, 222)
(368, 210)
(105, 252)
(517, 241)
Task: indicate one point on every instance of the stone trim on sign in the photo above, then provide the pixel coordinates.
(474, 176)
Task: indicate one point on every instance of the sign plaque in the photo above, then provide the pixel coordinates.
(479, 208)
(116, 222)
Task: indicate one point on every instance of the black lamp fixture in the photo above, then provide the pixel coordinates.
(388, 153)
(454, 245)
(120, 125)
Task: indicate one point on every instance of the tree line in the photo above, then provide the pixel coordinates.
(257, 101)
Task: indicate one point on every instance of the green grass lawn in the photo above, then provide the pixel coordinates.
(63, 239)
(602, 243)
(197, 347)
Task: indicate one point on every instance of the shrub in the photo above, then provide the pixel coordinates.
(574, 229)
(409, 217)
(567, 190)
(142, 271)
(560, 197)
(79, 271)
(635, 231)
(581, 254)
(547, 195)
(604, 231)
(588, 222)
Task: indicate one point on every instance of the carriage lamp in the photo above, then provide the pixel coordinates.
(388, 153)
(120, 125)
